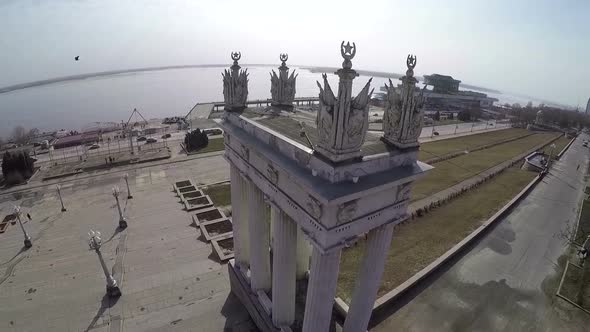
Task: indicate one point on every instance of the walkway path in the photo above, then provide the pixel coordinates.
(169, 277)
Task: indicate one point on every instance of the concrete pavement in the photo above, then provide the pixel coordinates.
(507, 281)
(169, 277)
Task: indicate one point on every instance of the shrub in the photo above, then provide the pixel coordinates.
(196, 140)
(17, 166)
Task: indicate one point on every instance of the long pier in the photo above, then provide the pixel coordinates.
(267, 102)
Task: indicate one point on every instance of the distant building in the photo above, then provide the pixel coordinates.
(446, 96)
(442, 83)
(73, 140)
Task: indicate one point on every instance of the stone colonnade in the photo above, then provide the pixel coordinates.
(291, 261)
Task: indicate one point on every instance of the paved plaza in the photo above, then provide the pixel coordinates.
(169, 276)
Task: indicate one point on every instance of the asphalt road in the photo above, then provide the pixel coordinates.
(507, 281)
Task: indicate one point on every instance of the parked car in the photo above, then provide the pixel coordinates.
(213, 131)
(166, 136)
(435, 133)
(141, 138)
(93, 147)
(151, 140)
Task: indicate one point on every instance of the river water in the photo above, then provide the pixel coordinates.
(74, 104)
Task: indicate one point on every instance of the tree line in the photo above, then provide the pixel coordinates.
(20, 135)
(551, 115)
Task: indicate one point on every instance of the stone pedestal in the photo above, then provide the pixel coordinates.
(321, 290)
(240, 287)
(258, 228)
(283, 268)
(367, 284)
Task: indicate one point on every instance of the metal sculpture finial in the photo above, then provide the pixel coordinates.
(347, 50)
(411, 63)
(348, 53)
(282, 86)
(235, 85)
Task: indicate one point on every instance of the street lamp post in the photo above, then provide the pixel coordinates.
(126, 177)
(94, 243)
(552, 146)
(63, 208)
(27, 241)
(122, 220)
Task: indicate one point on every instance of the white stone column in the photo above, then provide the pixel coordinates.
(239, 219)
(367, 284)
(283, 268)
(258, 228)
(320, 290)
(303, 254)
(244, 215)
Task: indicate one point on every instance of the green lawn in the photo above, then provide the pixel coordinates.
(220, 194)
(449, 172)
(438, 148)
(421, 241)
(215, 144)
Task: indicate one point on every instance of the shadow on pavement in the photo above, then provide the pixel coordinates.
(106, 303)
(237, 317)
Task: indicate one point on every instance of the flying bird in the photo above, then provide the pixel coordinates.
(77, 58)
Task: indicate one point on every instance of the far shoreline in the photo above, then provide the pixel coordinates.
(313, 69)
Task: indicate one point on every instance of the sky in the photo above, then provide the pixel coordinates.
(536, 48)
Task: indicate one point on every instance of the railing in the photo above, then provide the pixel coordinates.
(267, 102)
(57, 157)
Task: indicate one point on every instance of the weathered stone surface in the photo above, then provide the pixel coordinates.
(403, 117)
(235, 85)
(282, 86)
(342, 121)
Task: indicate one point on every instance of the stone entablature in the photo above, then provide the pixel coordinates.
(327, 212)
(305, 157)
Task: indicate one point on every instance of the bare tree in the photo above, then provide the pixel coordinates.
(19, 135)
(34, 132)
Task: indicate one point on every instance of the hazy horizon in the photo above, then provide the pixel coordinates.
(532, 48)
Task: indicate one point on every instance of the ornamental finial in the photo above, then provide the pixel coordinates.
(236, 56)
(411, 63)
(284, 57)
(348, 52)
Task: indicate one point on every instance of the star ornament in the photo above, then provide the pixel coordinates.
(348, 48)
